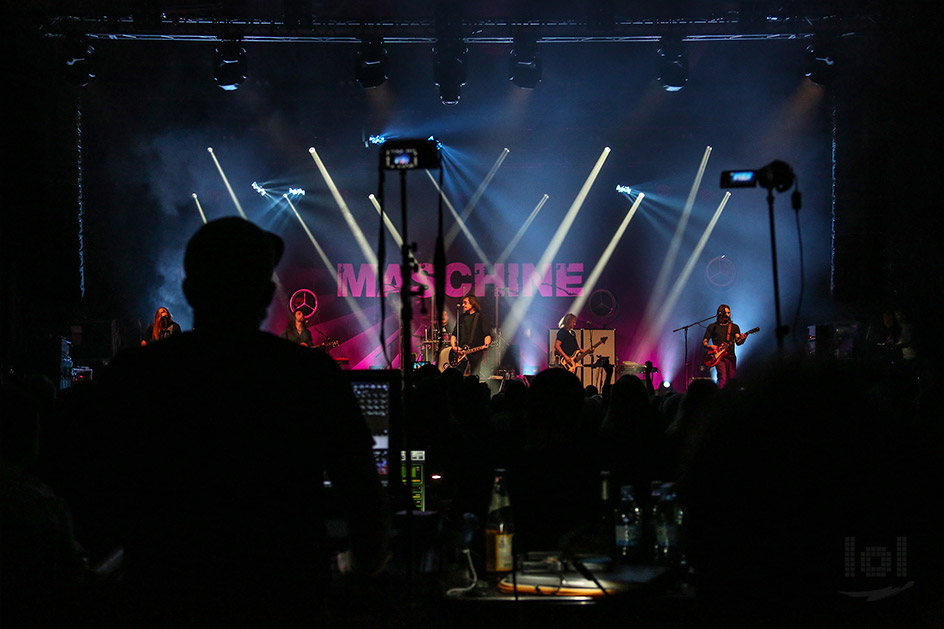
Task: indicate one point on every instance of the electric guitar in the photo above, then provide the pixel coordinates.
(457, 356)
(712, 358)
(578, 356)
(325, 346)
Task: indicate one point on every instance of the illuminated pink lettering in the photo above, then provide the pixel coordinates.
(457, 268)
(424, 278)
(513, 280)
(541, 280)
(564, 280)
(483, 278)
(354, 284)
(393, 279)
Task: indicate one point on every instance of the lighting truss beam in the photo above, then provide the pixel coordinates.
(718, 26)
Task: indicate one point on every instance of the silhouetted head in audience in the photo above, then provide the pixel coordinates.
(229, 264)
(19, 427)
(628, 398)
(554, 403)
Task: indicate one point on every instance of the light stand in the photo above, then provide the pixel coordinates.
(404, 155)
(781, 331)
(775, 175)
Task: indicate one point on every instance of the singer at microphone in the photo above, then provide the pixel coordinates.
(471, 336)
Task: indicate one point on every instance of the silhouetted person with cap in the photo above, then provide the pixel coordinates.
(210, 459)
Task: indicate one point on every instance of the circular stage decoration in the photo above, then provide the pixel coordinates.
(602, 303)
(720, 272)
(304, 300)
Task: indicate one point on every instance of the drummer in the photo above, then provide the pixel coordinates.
(443, 333)
(435, 338)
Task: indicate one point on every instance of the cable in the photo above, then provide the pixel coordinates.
(475, 577)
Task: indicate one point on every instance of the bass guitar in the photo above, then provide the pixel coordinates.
(456, 357)
(578, 356)
(712, 358)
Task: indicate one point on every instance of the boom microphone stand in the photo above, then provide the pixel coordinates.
(684, 329)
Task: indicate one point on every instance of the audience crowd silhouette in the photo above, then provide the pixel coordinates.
(807, 489)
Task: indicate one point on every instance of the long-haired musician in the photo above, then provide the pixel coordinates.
(471, 335)
(566, 347)
(724, 332)
(163, 327)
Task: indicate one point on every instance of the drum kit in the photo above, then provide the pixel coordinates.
(437, 350)
(430, 352)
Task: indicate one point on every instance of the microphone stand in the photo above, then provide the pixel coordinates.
(684, 329)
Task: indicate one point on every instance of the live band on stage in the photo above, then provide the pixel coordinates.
(465, 343)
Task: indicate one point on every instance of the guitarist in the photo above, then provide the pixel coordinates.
(297, 331)
(471, 330)
(724, 331)
(566, 345)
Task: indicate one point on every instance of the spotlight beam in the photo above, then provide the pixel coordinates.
(397, 238)
(522, 304)
(454, 230)
(199, 208)
(229, 188)
(662, 280)
(514, 241)
(676, 290)
(232, 195)
(366, 251)
(367, 361)
(358, 313)
(394, 232)
(461, 223)
(591, 282)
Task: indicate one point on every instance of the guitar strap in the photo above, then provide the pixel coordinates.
(474, 328)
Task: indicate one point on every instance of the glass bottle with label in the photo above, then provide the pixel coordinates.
(499, 528)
